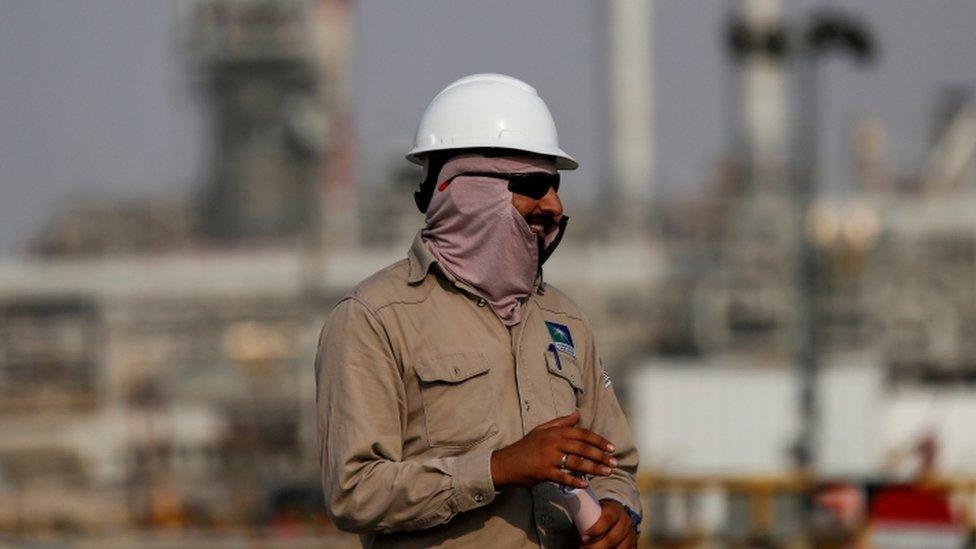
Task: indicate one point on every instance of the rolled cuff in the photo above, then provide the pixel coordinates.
(472, 484)
(618, 490)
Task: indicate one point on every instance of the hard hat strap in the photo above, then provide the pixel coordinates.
(546, 251)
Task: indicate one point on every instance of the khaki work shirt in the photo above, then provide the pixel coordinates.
(418, 381)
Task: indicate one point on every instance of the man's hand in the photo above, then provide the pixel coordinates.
(615, 529)
(538, 456)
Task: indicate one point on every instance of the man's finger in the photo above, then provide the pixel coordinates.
(616, 535)
(601, 526)
(589, 437)
(564, 421)
(587, 467)
(566, 479)
(581, 454)
(630, 541)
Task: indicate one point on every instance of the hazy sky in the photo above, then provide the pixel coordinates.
(94, 95)
(408, 51)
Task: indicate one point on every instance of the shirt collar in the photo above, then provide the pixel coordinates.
(420, 258)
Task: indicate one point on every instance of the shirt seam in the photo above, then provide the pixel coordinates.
(374, 310)
(554, 311)
(372, 314)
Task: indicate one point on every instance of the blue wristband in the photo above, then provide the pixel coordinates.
(634, 518)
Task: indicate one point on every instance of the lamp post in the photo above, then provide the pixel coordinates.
(827, 33)
(803, 48)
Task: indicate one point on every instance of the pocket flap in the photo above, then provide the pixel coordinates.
(565, 366)
(452, 368)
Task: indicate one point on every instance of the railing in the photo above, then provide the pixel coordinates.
(782, 510)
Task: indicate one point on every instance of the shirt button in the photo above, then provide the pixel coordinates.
(482, 302)
(527, 406)
(479, 498)
(543, 519)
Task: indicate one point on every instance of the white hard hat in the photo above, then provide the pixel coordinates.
(489, 110)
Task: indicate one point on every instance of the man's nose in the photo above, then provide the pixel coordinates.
(550, 204)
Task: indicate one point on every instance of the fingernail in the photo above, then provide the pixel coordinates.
(614, 461)
(611, 448)
(586, 539)
(605, 470)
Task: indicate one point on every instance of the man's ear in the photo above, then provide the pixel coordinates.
(433, 162)
(422, 196)
(425, 191)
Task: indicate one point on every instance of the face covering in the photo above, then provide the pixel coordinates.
(478, 236)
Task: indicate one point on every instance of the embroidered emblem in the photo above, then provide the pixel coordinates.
(561, 337)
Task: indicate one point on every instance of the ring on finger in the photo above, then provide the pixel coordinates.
(562, 462)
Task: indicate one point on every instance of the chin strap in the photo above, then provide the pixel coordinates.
(546, 251)
(425, 191)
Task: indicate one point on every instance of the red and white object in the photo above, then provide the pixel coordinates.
(583, 505)
(914, 517)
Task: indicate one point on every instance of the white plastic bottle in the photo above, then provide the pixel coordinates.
(581, 504)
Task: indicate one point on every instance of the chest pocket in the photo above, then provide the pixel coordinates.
(457, 398)
(566, 380)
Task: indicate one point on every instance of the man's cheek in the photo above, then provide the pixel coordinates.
(523, 206)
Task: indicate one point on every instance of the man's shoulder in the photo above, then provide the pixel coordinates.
(387, 286)
(555, 300)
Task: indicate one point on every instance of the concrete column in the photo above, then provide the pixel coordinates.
(631, 61)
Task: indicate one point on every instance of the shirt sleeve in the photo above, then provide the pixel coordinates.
(361, 411)
(601, 413)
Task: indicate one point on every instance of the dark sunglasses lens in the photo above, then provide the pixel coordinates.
(534, 186)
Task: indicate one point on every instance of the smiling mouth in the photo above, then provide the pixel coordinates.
(540, 226)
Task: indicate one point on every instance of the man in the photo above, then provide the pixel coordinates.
(457, 391)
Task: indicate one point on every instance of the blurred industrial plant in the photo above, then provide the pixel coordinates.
(799, 367)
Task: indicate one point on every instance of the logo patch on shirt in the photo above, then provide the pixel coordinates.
(561, 337)
(607, 382)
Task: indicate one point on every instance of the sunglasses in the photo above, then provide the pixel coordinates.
(532, 185)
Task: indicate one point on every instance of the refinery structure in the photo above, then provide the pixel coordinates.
(156, 357)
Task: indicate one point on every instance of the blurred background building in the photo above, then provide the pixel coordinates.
(795, 348)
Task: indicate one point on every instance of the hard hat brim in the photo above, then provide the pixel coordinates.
(563, 160)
